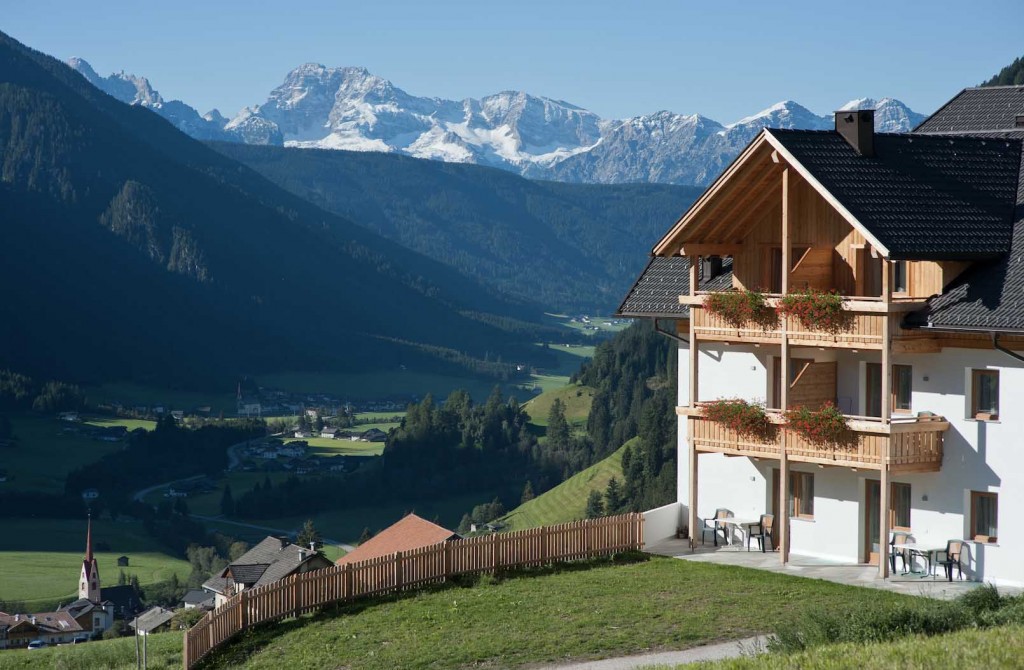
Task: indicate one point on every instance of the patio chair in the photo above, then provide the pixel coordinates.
(762, 530)
(713, 526)
(897, 538)
(950, 557)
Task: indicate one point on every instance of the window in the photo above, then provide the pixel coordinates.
(984, 516)
(902, 385)
(801, 495)
(985, 394)
(900, 507)
(900, 280)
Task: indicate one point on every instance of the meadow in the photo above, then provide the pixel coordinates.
(44, 453)
(567, 501)
(41, 558)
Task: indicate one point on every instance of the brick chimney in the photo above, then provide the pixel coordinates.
(857, 127)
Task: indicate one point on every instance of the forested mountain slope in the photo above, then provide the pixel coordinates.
(129, 250)
(573, 247)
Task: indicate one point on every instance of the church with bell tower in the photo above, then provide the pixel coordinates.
(89, 581)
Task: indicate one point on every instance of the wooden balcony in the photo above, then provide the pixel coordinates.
(865, 331)
(913, 445)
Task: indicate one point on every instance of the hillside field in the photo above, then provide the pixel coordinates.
(44, 453)
(576, 399)
(40, 559)
(567, 501)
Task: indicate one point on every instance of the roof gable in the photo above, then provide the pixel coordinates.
(977, 109)
(411, 532)
(919, 196)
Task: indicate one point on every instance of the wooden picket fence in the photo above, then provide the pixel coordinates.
(308, 591)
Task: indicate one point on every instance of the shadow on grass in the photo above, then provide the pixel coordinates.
(252, 641)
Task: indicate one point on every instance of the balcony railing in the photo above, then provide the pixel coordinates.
(864, 331)
(912, 445)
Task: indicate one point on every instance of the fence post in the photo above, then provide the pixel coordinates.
(494, 552)
(297, 594)
(399, 580)
(446, 565)
(186, 664)
(543, 545)
(347, 581)
(243, 610)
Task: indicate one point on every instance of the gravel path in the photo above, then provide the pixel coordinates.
(711, 652)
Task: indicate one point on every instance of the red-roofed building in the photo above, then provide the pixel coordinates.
(412, 532)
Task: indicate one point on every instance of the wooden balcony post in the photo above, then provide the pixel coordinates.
(883, 526)
(786, 241)
(783, 516)
(693, 485)
(694, 386)
(886, 344)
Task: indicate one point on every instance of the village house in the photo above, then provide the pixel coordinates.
(85, 618)
(410, 532)
(329, 433)
(154, 620)
(921, 234)
(269, 561)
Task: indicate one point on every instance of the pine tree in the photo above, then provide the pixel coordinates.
(558, 428)
(466, 525)
(122, 579)
(595, 505)
(613, 497)
(309, 535)
(227, 502)
(527, 493)
(365, 536)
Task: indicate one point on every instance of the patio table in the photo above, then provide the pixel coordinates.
(920, 549)
(741, 523)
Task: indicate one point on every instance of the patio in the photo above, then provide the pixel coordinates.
(853, 574)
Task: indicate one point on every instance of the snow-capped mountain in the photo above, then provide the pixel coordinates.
(135, 90)
(350, 108)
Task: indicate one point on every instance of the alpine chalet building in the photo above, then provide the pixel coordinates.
(922, 236)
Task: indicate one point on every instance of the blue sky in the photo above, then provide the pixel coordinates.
(721, 59)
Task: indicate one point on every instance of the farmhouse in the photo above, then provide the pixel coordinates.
(374, 435)
(154, 620)
(411, 532)
(916, 368)
(198, 599)
(269, 561)
(329, 433)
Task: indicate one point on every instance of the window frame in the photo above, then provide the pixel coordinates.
(909, 371)
(900, 270)
(977, 374)
(976, 496)
(893, 512)
(796, 497)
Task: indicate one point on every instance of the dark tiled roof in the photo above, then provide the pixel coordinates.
(247, 573)
(977, 109)
(217, 585)
(656, 293)
(197, 597)
(988, 296)
(270, 561)
(151, 619)
(921, 196)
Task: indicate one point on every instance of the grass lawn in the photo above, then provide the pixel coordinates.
(567, 501)
(40, 558)
(987, 648)
(130, 424)
(325, 446)
(164, 653)
(44, 454)
(379, 384)
(130, 394)
(573, 614)
(576, 399)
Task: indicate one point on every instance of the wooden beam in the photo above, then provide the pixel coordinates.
(668, 240)
(693, 491)
(748, 206)
(730, 193)
(787, 246)
(710, 249)
(783, 505)
(883, 526)
(775, 156)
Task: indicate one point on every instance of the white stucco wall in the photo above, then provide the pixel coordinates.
(979, 456)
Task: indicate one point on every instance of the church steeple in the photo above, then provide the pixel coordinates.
(89, 581)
